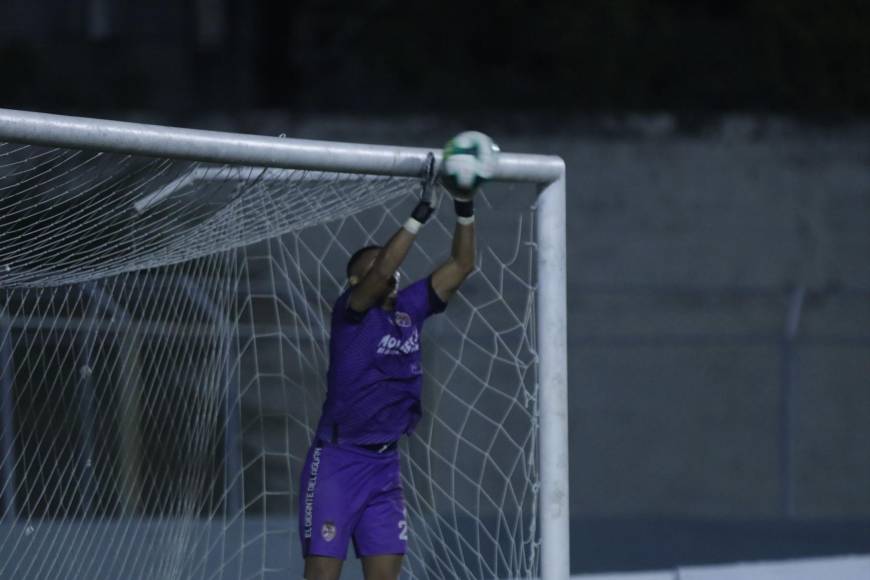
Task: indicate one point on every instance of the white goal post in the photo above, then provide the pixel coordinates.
(547, 172)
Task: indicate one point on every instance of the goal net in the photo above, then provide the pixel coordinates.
(163, 352)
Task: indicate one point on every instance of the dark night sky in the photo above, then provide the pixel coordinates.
(800, 56)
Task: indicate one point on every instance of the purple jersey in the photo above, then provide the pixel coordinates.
(375, 371)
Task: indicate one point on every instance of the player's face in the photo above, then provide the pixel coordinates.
(369, 261)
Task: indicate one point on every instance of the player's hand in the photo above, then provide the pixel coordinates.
(428, 198)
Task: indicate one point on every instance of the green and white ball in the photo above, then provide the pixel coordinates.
(470, 159)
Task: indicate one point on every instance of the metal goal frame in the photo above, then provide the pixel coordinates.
(547, 172)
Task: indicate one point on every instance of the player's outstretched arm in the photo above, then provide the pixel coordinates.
(377, 282)
(452, 273)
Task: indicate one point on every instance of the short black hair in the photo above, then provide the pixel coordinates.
(356, 256)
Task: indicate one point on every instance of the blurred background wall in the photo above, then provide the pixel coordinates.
(719, 215)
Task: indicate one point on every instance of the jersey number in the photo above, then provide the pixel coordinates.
(403, 530)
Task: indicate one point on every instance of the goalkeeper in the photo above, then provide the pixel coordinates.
(350, 483)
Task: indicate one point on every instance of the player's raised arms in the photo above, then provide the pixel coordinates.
(375, 279)
(447, 278)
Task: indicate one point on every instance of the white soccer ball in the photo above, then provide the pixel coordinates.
(470, 159)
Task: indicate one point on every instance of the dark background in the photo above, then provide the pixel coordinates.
(736, 178)
(801, 56)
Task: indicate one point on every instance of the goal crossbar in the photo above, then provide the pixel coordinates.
(548, 172)
(221, 147)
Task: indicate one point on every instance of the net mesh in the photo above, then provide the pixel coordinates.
(163, 353)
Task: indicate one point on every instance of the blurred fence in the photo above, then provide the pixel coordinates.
(688, 403)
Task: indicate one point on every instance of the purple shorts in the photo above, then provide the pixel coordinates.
(349, 493)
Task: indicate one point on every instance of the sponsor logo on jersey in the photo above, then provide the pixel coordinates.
(328, 531)
(389, 344)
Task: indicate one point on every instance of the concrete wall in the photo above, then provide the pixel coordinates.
(683, 254)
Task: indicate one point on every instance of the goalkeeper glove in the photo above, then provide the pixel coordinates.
(419, 216)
